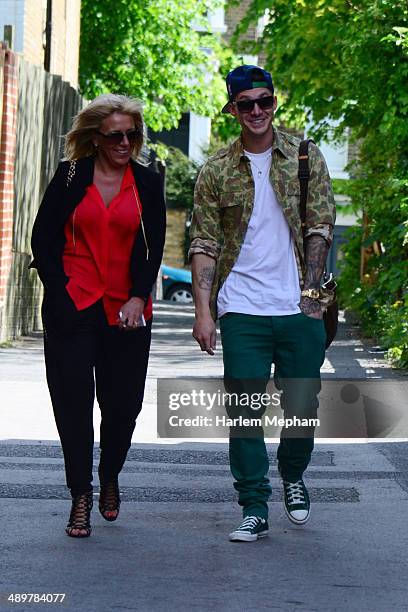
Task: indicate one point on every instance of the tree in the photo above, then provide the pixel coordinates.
(181, 175)
(347, 60)
(151, 50)
(224, 127)
(335, 58)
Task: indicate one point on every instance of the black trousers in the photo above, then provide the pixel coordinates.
(89, 356)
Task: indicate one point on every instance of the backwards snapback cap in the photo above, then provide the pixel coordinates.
(246, 77)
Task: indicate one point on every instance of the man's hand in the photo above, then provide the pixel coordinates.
(311, 308)
(130, 314)
(316, 254)
(204, 331)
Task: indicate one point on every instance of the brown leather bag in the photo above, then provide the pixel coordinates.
(328, 298)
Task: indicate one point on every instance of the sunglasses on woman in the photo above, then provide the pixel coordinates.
(115, 138)
(247, 106)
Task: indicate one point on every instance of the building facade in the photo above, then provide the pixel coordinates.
(46, 33)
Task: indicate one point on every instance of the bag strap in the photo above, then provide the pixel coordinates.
(304, 175)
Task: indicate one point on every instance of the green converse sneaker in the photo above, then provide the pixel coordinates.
(252, 528)
(296, 502)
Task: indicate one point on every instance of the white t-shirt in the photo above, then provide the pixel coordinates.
(264, 279)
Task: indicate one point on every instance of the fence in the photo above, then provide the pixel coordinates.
(36, 109)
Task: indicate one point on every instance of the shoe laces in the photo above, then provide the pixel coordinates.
(295, 492)
(250, 522)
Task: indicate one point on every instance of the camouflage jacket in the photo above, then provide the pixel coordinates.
(224, 199)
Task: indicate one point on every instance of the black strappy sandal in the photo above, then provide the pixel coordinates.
(79, 519)
(109, 500)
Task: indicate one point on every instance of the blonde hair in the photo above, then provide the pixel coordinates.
(78, 141)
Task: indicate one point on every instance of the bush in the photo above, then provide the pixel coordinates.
(380, 297)
(181, 175)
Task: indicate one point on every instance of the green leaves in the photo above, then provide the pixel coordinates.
(151, 50)
(181, 175)
(348, 61)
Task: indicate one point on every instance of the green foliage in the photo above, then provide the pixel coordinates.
(150, 50)
(224, 127)
(341, 186)
(336, 59)
(181, 175)
(347, 61)
(380, 298)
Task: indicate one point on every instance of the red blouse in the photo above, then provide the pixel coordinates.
(99, 242)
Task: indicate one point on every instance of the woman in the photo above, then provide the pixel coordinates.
(97, 244)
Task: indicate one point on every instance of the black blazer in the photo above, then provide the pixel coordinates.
(59, 201)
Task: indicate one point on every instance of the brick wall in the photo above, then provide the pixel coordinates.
(233, 16)
(7, 161)
(65, 39)
(72, 36)
(34, 25)
(64, 36)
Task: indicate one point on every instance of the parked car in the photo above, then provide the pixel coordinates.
(177, 285)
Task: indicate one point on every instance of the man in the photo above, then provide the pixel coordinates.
(257, 270)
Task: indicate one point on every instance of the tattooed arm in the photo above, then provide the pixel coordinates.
(316, 254)
(204, 331)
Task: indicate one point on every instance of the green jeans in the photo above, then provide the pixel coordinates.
(251, 343)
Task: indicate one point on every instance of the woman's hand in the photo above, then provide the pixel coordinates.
(131, 313)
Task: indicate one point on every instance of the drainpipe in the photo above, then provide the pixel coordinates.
(48, 32)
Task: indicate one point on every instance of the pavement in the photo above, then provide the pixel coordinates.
(169, 549)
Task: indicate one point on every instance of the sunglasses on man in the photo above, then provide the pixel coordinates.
(115, 138)
(247, 106)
